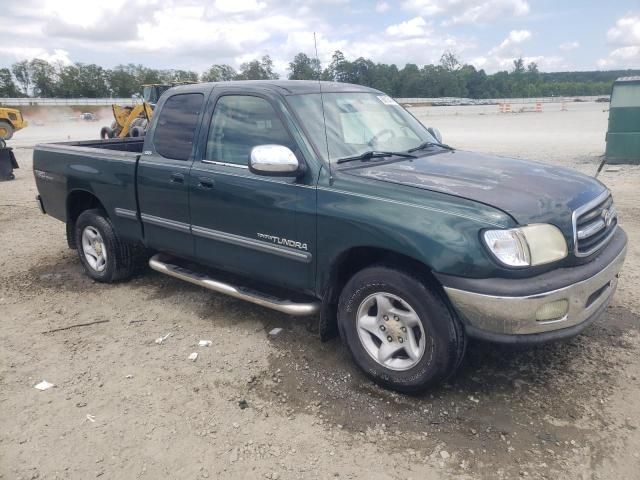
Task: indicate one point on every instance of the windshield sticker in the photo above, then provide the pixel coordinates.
(387, 100)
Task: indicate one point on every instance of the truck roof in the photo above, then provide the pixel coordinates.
(635, 79)
(284, 87)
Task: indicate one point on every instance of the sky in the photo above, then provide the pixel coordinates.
(194, 34)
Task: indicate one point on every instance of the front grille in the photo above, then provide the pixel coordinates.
(594, 225)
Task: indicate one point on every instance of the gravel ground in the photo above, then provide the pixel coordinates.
(288, 406)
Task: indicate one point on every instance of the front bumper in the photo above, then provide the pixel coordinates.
(506, 311)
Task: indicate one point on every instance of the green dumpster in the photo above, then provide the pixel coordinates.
(623, 135)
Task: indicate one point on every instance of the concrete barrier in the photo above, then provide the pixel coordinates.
(25, 101)
(43, 102)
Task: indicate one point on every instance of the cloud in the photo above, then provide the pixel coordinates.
(625, 37)
(415, 27)
(491, 11)
(469, 11)
(238, 6)
(427, 8)
(544, 62)
(568, 46)
(516, 36)
(302, 41)
(509, 45)
(193, 34)
(420, 50)
(29, 53)
(131, 30)
(501, 57)
(626, 32)
(623, 57)
(116, 26)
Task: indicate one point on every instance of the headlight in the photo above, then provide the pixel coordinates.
(527, 246)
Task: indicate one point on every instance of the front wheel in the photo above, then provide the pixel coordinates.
(137, 131)
(105, 256)
(399, 329)
(106, 133)
(6, 130)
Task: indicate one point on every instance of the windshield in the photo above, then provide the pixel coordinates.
(358, 123)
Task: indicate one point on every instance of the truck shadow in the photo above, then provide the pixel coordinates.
(64, 272)
(500, 399)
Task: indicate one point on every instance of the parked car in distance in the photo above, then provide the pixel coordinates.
(88, 117)
(330, 199)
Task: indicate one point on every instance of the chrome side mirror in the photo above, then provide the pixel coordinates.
(435, 133)
(273, 160)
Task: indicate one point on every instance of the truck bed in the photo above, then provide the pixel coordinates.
(105, 169)
(133, 145)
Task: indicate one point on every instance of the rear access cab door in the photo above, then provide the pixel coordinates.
(163, 172)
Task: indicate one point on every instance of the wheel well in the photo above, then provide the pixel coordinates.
(348, 264)
(77, 202)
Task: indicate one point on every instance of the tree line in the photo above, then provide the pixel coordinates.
(449, 78)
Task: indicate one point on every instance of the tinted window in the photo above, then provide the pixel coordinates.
(176, 127)
(240, 123)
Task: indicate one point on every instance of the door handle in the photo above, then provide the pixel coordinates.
(205, 183)
(176, 178)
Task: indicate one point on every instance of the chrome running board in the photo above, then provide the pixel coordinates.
(163, 263)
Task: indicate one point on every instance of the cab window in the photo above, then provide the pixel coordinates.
(176, 127)
(240, 123)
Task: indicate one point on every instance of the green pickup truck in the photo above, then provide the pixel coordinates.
(330, 199)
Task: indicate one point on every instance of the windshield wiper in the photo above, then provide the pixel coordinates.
(374, 154)
(424, 145)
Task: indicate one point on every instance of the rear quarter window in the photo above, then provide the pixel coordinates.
(176, 128)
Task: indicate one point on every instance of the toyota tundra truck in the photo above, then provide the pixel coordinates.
(330, 199)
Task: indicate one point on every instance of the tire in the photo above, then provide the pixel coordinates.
(137, 131)
(416, 318)
(105, 133)
(6, 130)
(113, 259)
(138, 127)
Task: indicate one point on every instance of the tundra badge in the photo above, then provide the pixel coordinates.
(283, 241)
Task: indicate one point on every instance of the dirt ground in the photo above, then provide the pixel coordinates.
(289, 406)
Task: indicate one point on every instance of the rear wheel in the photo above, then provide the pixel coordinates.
(6, 130)
(104, 255)
(399, 329)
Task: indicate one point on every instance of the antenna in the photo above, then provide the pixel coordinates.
(324, 118)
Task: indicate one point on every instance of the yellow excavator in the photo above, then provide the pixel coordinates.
(132, 121)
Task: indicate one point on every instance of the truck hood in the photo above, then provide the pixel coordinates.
(530, 192)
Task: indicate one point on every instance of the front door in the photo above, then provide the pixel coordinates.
(261, 227)
(163, 175)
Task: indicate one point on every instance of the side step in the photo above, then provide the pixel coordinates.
(163, 263)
